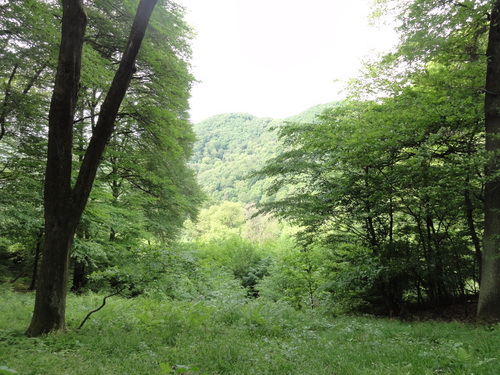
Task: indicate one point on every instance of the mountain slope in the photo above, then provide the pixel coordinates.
(231, 146)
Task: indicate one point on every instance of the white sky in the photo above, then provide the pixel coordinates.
(276, 58)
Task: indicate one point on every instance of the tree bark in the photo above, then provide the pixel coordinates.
(64, 205)
(5, 106)
(109, 109)
(469, 214)
(50, 300)
(489, 293)
(38, 252)
(79, 276)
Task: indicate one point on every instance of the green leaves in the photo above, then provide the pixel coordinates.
(144, 189)
(394, 174)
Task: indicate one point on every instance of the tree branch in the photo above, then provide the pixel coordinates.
(100, 307)
(5, 110)
(109, 109)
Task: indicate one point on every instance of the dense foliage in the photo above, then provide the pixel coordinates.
(143, 190)
(231, 146)
(228, 148)
(391, 180)
(374, 204)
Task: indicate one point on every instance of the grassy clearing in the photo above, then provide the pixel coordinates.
(140, 336)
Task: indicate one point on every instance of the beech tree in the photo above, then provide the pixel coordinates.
(387, 181)
(64, 201)
(489, 294)
(466, 31)
(402, 174)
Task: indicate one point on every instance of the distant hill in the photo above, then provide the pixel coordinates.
(230, 146)
(309, 115)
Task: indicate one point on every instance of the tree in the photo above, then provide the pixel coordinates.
(143, 188)
(449, 30)
(63, 203)
(390, 177)
(27, 53)
(489, 294)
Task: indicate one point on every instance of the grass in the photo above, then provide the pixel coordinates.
(141, 336)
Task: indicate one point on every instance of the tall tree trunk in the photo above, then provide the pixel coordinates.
(38, 251)
(64, 205)
(469, 213)
(5, 105)
(79, 276)
(50, 301)
(489, 293)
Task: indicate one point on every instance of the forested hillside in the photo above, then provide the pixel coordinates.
(231, 146)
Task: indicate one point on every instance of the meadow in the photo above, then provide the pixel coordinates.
(148, 336)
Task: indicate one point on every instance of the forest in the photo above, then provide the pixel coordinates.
(360, 236)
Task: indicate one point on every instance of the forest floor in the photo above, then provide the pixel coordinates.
(462, 311)
(145, 336)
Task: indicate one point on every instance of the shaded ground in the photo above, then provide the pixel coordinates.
(463, 311)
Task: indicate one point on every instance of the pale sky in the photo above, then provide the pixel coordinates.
(276, 58)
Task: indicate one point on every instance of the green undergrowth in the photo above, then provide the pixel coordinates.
(145, 336)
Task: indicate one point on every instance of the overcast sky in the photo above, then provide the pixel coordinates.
(276, 58)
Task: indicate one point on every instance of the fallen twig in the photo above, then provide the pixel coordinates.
(100, 307)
